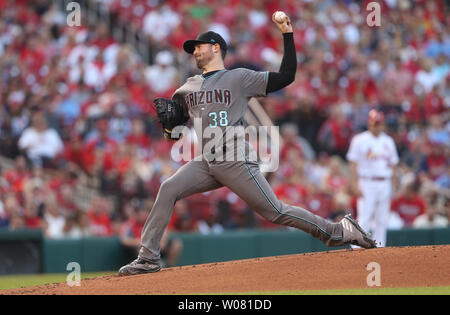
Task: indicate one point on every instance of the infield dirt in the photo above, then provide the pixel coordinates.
(422, 266)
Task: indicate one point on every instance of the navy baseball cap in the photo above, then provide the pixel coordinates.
(209, 37)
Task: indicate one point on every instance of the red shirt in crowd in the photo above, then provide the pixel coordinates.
(17, 179)
(413, 112)
(133, 228)
(292, 194)
(108, 149)
(434, 105)
(33, 222)
(335, 133)
(436, 165)
(336, 182)
(320, 204)
(408, 208)
(100, 223)
(288, 146)
(142, 140)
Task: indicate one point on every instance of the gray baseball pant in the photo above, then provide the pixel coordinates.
(245, 180)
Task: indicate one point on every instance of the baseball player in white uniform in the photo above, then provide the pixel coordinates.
(373, 158)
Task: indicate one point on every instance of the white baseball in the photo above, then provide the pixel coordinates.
(280, 16)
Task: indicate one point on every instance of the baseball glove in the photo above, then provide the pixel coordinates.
(170, 114)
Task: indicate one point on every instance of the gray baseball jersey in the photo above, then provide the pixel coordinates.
(220, 101)
(217, 105)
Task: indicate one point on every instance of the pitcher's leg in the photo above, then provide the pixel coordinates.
(192, 178)
(245, 179)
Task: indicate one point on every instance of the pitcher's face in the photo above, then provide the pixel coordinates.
(203, 54)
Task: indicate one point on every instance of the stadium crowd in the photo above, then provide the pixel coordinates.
(75, 109)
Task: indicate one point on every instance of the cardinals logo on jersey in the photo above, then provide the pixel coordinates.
(372, 155)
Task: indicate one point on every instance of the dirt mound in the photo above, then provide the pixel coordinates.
(399, 267)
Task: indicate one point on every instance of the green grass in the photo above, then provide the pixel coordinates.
(19, 281)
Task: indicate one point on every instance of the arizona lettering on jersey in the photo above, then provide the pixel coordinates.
(219, 102)
(216, 96)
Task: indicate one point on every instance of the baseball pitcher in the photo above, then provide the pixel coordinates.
(219, 98)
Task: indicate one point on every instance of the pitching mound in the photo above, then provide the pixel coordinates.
(399, 267)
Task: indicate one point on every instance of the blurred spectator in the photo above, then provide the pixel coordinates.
(335, 133)
(409, 205)
(54, 220)
(292, 190)
(293, 141)
(16, 221)
(426, 78)
(209, 225)
(84, 224)
(18, 176)
(119, 123)
(244, 59)
(77, 226)
(160, 22)
(436, 131)
(66, 199)
(162, 76)
(140, 139)
(434, 105)
(224, 215)
(33, 217)
(99, 214)
(130, 235)
(245, 219)
(341, 205)
(435, 162)
(395, 221)
(182, 220)
(171, 249)
(81, 87)
(336, 180)
(40, 143)
(319, 203)
(433, 217)
(415, 155)
(71, 229)
(11, 213)
(99, 150)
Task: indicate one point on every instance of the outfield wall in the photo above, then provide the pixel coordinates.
(29, 252)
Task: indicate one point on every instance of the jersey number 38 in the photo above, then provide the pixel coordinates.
(218, 119)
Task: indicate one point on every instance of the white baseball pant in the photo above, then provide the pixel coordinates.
(374, 206)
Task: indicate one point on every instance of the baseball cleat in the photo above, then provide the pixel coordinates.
(354, 234)
(139, 266)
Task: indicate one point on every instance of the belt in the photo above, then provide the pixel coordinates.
(375, 178)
